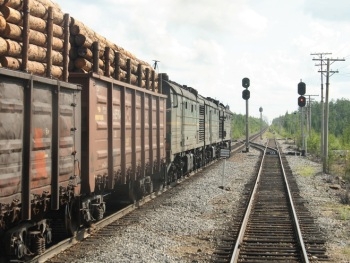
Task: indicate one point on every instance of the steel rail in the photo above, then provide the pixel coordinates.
(236, 249)
(243, 228)
(295, 216)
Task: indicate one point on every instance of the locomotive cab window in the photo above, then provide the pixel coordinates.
(175, 102)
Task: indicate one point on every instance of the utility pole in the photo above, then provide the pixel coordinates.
(328, 62)
(320, 55)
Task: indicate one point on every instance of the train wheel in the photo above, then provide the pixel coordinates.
(140, 189)
(149, 187)
(19, 247)
(132, 192)
(37, 243)
(98, 212)
(157, 183)
(72, 217)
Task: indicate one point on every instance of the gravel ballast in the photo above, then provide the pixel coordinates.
(184, 226)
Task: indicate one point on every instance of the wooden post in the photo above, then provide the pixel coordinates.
(95, 65)
(25, 36)
(160, 83)
(66, 37)
(117, 65)
(49, 43)
(147, 78)
(128, 70)
(153, 80)
(107, 67)
(139, 75)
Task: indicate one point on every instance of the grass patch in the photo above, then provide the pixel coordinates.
(306, 171)
(346, 251)
(344, 213)
(269, 135)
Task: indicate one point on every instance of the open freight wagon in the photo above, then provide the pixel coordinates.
(123, 137)
(40, 137)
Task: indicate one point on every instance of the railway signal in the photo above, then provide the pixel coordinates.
(301, 92)
(260, 110)
(301, 104)
(301, 101)
(246, 96)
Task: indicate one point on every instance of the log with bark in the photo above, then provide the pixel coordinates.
(49, 3)
(35, 53)
(86, 64)
(15, 17)
(83, 41)
(14, 32)
(2, 24)
(85, 52)
(38, 9)
(32, 66)
(3, 47)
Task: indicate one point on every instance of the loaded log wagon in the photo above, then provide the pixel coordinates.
(82, 123)
(40, 136)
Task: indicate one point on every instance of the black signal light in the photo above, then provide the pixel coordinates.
(245, 83)
(246, 94)
(301, 88)
(301, 101)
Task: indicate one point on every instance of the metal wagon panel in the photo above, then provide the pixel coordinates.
(123, 131)
(39, 138)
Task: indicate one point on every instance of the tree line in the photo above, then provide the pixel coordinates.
(289, 125)
(338, 122)
(239, 125)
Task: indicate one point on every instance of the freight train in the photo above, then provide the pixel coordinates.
(85, 124)
(68, 148)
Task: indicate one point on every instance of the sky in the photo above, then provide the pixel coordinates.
(212, 45)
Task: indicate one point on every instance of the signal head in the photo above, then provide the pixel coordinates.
(301, 101)
(245, 83)
(301, 88)
(246, 94)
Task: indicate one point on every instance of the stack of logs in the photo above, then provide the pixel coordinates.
(110, 60)
(37, 37)
(33, 37)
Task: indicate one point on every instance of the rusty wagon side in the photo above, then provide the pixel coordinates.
(39, 152)
(123, 137)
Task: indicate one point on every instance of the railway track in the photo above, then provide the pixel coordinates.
(272, 224)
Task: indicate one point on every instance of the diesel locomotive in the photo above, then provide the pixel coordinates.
(197, 128)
